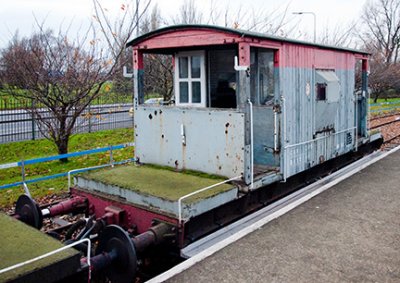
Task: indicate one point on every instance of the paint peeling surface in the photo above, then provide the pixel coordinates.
(316, 131)
(159, 189)
(206, 140)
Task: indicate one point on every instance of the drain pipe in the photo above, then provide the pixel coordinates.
(251, 144)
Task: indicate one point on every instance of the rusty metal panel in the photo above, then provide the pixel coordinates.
(201, 139)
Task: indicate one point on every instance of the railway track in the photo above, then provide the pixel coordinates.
(389, 127)
(391, 139)
(209, 245)
(384, 116)
(397, 119)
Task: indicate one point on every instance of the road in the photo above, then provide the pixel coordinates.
(17, 125)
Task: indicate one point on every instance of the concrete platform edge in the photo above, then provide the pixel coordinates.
(206, 253)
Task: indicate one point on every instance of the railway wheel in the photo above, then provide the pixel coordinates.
(115, 241)
(29, 212)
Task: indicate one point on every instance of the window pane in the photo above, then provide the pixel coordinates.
(183, 67)
(196, 92)
(195, 62)
(183, 92)
(266, 76)
(253, 76)
(321, 92)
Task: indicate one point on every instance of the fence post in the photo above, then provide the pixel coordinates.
(111, 156)
(33, 121)
(23, 170)
(90, 119)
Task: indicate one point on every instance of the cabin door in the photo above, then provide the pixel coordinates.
(265, 126)
(361, 97)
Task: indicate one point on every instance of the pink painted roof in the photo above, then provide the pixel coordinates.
(180, 36)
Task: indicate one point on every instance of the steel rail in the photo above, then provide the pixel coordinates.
(385, 116)
(385, 124)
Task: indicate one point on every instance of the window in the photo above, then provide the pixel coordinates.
(262, 78)
(190, 86)
(327, 85)
(321, 91)
(222, 78)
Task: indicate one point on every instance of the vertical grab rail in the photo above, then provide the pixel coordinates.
(284, 140)
(251, 145)
(356, 124)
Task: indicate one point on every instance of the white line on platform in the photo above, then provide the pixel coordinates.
(235, 237)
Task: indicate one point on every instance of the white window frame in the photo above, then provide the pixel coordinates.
(189, 79)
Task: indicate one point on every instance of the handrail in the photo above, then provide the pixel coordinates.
(80, 170)
(251, 145)
(26, 189)
(52, 253)
(285, 148)
(320, 138)
(199, 191)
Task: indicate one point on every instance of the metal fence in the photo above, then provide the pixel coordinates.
(105, 113)
(24, 163)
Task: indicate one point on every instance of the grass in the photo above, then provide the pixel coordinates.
(16, 151)
(387, 106)
(168, 185)
(20, 242)
(384, 100)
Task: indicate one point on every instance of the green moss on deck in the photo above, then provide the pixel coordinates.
(158, 182)
(19, 243)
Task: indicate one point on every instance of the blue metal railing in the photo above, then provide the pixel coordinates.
(23, 163)
(384, 109)
(385, 103)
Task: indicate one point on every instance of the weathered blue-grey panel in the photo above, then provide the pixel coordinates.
(201, 139)
(263, 123)
(304, 146)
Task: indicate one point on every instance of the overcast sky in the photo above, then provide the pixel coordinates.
(19, 14)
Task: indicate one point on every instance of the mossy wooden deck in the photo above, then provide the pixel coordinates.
(158, 188)
(158, 182)
(20, 242)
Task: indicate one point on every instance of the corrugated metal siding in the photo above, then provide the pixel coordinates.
(301, 151)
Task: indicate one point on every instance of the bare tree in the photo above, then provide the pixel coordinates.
(381, 37)
(158, 69)
(382, 21)
(339, 35)
(63, 76)
(274, 22)
(114, 33)
(189, 13)
(151, 21)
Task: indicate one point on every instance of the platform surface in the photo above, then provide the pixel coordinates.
(20, 242)
(350, 233)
